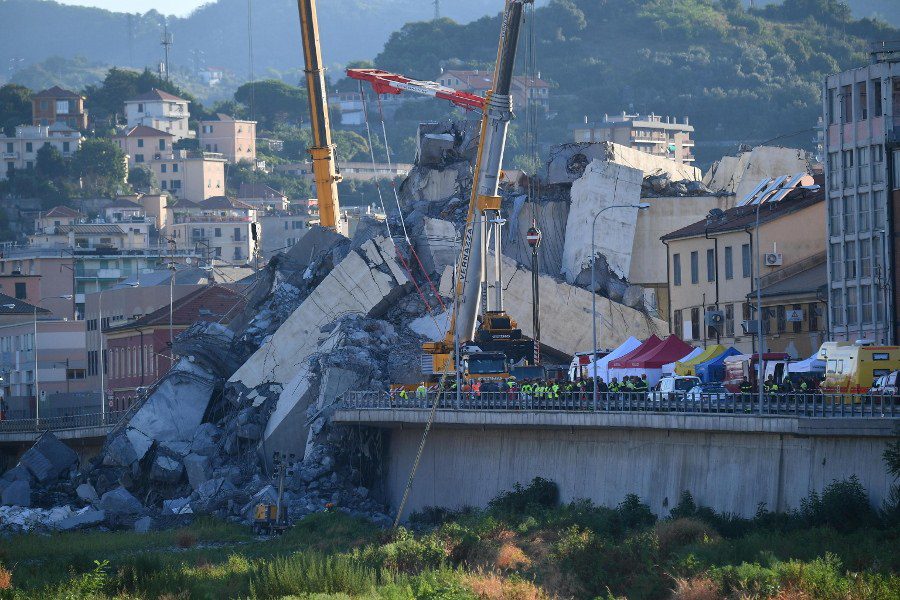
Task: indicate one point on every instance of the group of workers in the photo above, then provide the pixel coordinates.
(537, 389)
(770, 386)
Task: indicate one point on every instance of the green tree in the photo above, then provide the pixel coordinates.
(15, 107)
(107, 99)
(100, 164)
(50, 163)
(142, 179)
(272, 101)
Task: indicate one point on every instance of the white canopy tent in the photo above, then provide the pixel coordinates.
(810, 365)
(602, 364)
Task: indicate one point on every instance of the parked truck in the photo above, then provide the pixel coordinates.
(854, 368)
(745, 366)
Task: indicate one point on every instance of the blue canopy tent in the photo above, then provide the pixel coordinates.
(714, 368)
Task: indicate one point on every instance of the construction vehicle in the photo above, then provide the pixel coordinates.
(495, 331)
(322, 151)
(270, 518)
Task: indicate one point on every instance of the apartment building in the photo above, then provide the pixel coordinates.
(532, 90)
(58, 105)
(653, 134)
(218, 228)
(234, 139)
(862, 169)
(192, 176)
(281, 229)
(712, 269)
(142, 144)
(262, 197)
(159, 110)
(20, 150)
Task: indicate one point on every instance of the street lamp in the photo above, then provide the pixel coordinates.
(34, 345)
(760, 375)
(641, 206)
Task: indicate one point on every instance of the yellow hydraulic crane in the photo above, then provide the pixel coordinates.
(322, 150)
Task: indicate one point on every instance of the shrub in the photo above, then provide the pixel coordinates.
(308, 573)
(682, 532)
(696, 588)
(634, 513)
(540, 493)
(685, 508)
(747, 580)
(5, 579)
(406, 554)
(490, 586)
(843, 505)
(185, 539)
(821, 578)
(510, 557)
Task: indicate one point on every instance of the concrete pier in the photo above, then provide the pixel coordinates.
(731, 463)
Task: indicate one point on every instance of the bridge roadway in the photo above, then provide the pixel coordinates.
(730, 454)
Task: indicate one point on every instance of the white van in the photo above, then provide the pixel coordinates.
(673, 386)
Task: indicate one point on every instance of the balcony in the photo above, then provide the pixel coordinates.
(10, 155)
(98, 273)
(180, 219)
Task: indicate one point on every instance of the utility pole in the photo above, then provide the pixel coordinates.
(437, 9)
(167, 41)
(534, 240)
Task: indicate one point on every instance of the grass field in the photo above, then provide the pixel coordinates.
(524, 546)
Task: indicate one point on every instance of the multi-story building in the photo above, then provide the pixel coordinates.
(46, 365)
(20, 151)
(232, 138)
(57, 105)
(142, 144)
(138, 352)
(218, 228)
(534, 90)
(862, 119)
(262, 197)
(193, 176)
(280, 230)
(713, 266)
(123, 226)
(159, 110)
(662, 136)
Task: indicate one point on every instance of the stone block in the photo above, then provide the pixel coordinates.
(166, 469)
(120, 501)
(84, 518)
(17, 493)
(198, 469)
(48, 458)
(87, 493)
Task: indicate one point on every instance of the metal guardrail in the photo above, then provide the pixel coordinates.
(62, 423)
(802, 405)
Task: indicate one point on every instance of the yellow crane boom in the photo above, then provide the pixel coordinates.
(322, 150)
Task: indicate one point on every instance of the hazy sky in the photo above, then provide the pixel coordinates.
(167, 7)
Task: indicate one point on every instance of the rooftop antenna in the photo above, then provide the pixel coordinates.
(166, 42)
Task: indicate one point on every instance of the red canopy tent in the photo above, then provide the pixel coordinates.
(621, 362)
(650, 362)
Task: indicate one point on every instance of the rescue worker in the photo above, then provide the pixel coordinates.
(554, 391)
(804, 386)
(527, 390)
(641, 384)
(404, 395)
(476, 389)
(746, 388)
(421, 392)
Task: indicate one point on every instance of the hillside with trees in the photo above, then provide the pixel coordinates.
(742, 76)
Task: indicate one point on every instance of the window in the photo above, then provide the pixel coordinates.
(695, 323)
(813, 316)
(66, 147)
(729, 320)
(21, 292)
(237, 234)
(174, 167)
(218, 232)
(781, 318)
(676, 269)
(865, 258)
(9, 147)
(140, 142)
(176, 184)
(62, 107)
(862, 101)
(45, 105)
(138, 158)
(847, 164)
(878, 163)
(832, 107)
(863, 213)
(745, 260)
(797, 326)
(163, 167)
(162, 143)
(850, 260)
(710, 265)
(837, 307)
(140, 107)
(852, 306)
(878, 208)
(29, 164)
(847, 104)
(875, 98)
(677, 324)
(865, 298)
(29, 147)
(862, 165)
(695, 267)
(285, 225)
(711, 332)
(849, 215)
(729, 263)
(163, 184)
(834, 217)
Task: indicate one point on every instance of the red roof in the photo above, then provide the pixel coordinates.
(621, 362)
(669, 350)
(212, 303)
(156, 94)
(62, 211)
(56, 92)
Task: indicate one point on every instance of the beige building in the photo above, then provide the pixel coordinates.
(20, 151)
(654, 134)
(233, 138)
(193, 176)
(263, 197)
(281, 230)
(712, 266)
(142, 144)
(159, 110)
(218, 228)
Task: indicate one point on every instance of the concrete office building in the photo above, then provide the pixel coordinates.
(862, 117)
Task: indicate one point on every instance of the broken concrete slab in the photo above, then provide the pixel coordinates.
(143, 525)
(166, 469)
(86, 517)
(48, 458)
(177, 406)
(551, 214)
(364, 283)
(177, 506)
(198, 469)
(86, 492)
(120, 501)
(207, 346)
(740, 174)
(601, 186)
(205, 440)
(17, 493)
(569, 161)
(436, 244)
